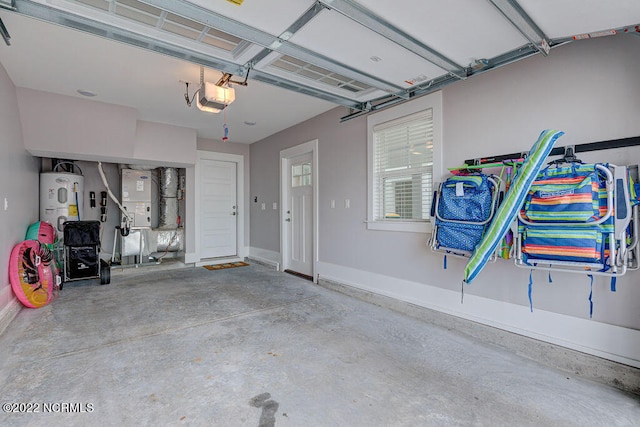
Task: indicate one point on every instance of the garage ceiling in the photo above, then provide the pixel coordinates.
(302, 57)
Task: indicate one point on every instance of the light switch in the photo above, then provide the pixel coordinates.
(275, 206)
(333, 204)
(263, 206)
(6, 203)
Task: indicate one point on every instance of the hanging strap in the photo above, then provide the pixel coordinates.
(591, 297)
(502, 170)
(444, 263)
(462, 292)
(550, 281)
(606, 265)
(530, 289)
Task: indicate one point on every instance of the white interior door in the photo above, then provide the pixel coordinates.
(299, 214)
(218, 209)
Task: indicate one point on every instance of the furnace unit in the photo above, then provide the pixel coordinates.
(136, 196)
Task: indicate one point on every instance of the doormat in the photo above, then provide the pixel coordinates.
(227, 265)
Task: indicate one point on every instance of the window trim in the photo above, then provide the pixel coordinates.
(433, 101)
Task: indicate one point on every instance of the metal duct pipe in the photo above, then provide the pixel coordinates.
(168, 240)
(168, 192)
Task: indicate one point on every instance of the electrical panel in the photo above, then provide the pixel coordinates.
(136, 196)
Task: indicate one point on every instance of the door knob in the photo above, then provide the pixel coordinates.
(233, 213)
(288, 219)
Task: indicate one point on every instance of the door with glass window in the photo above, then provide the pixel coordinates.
(299, 214)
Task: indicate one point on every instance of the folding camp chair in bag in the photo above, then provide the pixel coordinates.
(577, 218)
(634, 226)
(463, 206)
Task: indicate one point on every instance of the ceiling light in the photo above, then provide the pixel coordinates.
(88, 93)
(206, 109)
(213, 99)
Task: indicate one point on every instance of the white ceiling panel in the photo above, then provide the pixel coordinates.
(567, 18)
(169, 32)
(67, 60)
(273, 16)
(344, 44)
(311, 75)
(462, 30)
(310, 65)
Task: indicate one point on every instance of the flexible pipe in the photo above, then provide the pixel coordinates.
(67, 163)
(75, 189)
(110, 193)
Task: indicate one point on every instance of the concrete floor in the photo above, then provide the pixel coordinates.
(253, 347)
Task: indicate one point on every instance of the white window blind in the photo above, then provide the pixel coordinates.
(403, 168)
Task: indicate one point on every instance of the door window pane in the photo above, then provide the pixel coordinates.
(301, 175)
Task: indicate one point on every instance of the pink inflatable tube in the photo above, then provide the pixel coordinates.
(33, 274)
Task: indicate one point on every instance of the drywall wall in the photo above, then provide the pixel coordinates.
(588, 89)
(61, 126)
(18, 185)
(341, 148)
(164, 145)
(68, 127)
(591, 91)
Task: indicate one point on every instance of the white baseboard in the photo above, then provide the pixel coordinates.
(243, 251)
(265, 256)
(190, 257)
(9, 312)
(610, 342)
(215, 261)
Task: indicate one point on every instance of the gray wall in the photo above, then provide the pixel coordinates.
(589, 89)
(18, 184)
(83, 129)
(342, 155)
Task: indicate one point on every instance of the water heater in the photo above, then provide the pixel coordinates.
(61, 198)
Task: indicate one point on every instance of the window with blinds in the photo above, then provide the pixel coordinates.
(403, 168)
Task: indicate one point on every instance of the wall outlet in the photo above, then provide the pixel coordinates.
(275, 206)
(263, 206)
(347, 203)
